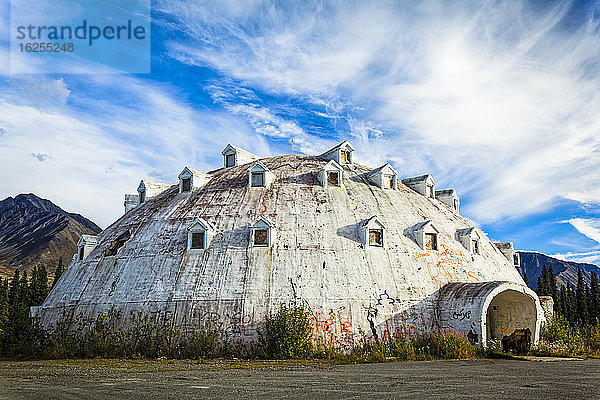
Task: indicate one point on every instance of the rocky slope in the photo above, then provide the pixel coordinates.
(34, 231)
(565, 271)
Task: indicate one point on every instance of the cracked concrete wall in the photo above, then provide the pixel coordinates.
(351, 289)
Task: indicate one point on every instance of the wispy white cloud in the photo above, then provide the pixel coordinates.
(591, 257)
(86, 153)
(243, 101)
(589, 227)
(499, 100)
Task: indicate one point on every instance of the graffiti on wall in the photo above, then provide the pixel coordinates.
(461, 314)
(448, 264)
(332, 323)
(389, 318)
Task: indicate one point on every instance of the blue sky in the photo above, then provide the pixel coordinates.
(499, 100)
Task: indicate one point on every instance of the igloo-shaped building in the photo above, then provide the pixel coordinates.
(367, 253)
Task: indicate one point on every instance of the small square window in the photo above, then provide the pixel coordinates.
(186, 184)
(197, 240)
(431, 241)
(333, 178)
(388, 181)
(475, 246)
(261, 237)
(230, 160)
(430, 192)
(345, 157)
(142, 196)
(375, 237)
(258, 179)
(455, 204)
(81, 252)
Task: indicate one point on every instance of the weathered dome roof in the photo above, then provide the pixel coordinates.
(318, 254)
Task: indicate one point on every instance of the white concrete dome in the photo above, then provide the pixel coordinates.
(228, 247)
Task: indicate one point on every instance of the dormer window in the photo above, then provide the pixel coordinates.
(470, 239)
(230, 160)
(186, 184)
(85, 245)
(384, 177)
(333, 178)
(475, 246)
(190, 179)
(425, 234)
(375, 237)
(147, 189)
(258, 179)
(259, 175)
(449, 198)
(197, 240)
(423, 184)
(389, 181)
(262, 232)
(345, 157)
(372, 232)
(342, 153)
(331, 175)
(431, 242)
(508, 250)
(430, 191)
(200, 234)
(261, 237)
(234, 156)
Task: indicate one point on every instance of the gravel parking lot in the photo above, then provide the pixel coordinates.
(116, 379)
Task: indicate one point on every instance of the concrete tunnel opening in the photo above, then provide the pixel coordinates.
(508, 311)
(486, 312)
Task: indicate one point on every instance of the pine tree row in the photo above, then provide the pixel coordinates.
(16, 298)
(580, 306)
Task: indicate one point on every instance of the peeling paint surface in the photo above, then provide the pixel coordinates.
(351, 289)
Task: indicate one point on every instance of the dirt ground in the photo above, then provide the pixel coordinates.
(472, 379)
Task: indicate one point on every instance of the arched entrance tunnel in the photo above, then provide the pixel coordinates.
(488, 311)
(508, 311)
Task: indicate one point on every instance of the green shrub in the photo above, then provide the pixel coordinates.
(288, 333)
(560, 338)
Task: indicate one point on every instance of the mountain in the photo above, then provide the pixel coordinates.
(34, 231)
(565, 271)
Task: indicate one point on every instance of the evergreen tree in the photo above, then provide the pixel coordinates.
(525, 278)
(540, 286)
(562, 307)
(582, 310)
(24, 291)
(587, 305)
(14, 293)
(571, 305)
(58, 272)
(543, 288)
(594, 299)
(19, 323)
(38, 286)
(3, 306)
(552, 283)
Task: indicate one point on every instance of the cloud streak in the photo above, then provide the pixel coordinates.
(94, 148)
(499, 100)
